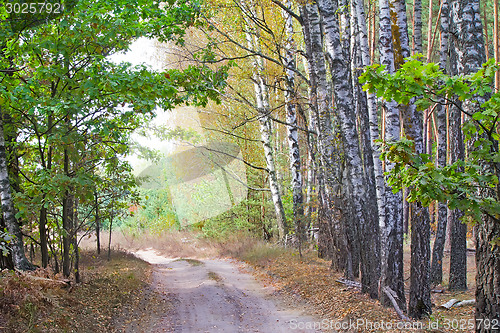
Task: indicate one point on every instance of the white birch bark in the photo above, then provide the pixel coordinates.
(16, 246)
(332, 236)
(417, 26)
(291, 119)
(359, 12)
(419, 303)
(437, 252)
(262, 100)
(364, 209)
(391, 229)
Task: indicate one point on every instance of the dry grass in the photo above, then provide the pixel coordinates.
(108, 290)
(175, 244)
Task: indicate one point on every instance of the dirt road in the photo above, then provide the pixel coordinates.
(215, 296)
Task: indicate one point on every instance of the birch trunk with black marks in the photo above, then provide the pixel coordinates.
(365, 106)
(458, 231)
(363, 205)
(419, 303)
(417, 26)
(293, 134)
(8, 211)
(332, 242)
(391, 229)
(362, 37)
(470, 42)
(437, 252)
(262, 101)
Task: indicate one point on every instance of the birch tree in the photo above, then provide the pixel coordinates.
(332, 232)
(291, 119)
(419, 303)
(8, 210)
(262, 101)
(364, 207)
(437, 252)
(362, 37)
(391, 229)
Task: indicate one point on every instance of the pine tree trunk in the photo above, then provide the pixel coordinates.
(391, 229)
(17, 245)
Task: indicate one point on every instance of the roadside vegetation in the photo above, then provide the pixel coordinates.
(114, 295)
(106, 300)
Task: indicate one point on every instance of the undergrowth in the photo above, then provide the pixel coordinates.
(28, 304)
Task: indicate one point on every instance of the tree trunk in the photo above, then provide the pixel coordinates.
(74, 236)
(487, 276)
(429, 31)
(111, 218)
(437, 253)
(97, 223)
(359, 13)
(332, 240)
(364, 206)
(67, 221)
(467, 29)
(366, 109)
(42, 229)
(391, 229)
(419, 303)
(262, 99)
(417, 26)
(17, 245)
(293, 135)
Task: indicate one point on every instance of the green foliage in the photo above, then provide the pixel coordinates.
(154, 214)
(245, 217)
(75, 110)
(5, 239)
(462, 183)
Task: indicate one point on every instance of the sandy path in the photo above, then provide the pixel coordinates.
(215, 296)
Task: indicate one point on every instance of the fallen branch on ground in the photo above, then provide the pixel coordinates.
(349, 283)
(448, 305)
(392, 296)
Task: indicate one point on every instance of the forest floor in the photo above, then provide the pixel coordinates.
(127, 294)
